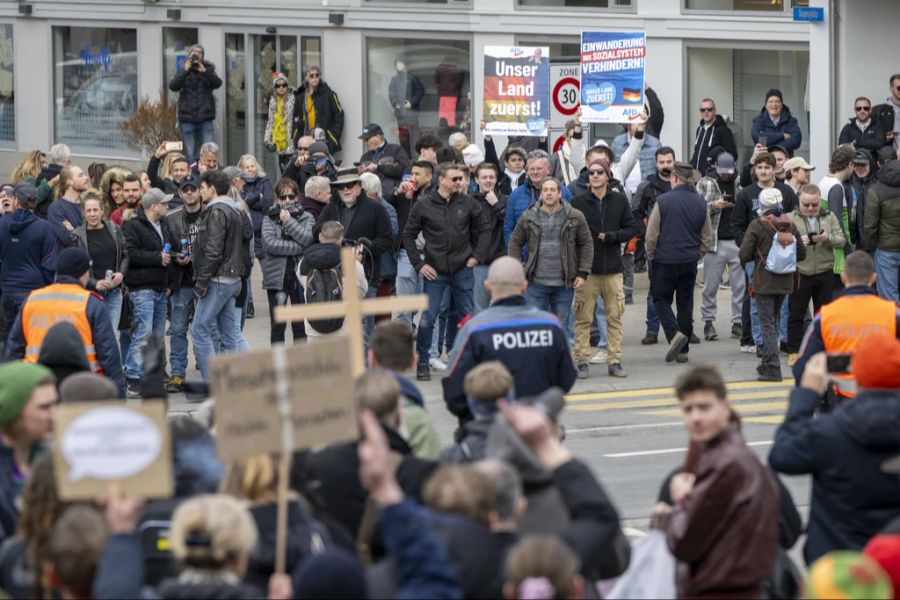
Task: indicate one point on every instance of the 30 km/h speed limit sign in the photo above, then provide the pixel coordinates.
(565, 92)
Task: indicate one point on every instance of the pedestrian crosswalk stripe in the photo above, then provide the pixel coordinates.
(739, 408)
(659, 391)
(672, 401)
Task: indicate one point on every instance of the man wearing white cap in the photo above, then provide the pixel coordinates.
(797, 173)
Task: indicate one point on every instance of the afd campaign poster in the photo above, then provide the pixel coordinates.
(612, 75)
(516, 90)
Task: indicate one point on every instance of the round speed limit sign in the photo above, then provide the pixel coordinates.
(565, 95)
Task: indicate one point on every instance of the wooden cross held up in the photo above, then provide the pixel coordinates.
(352, 308)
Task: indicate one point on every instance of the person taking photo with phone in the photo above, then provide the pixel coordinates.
(820, 231)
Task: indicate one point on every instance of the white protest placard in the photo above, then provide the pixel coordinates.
(319, 386)
(102, 442)
(516, 90)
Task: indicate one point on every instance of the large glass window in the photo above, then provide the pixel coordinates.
(235, 97)
(737, 80)
(611, 4)
(418, 86)
(95, 85)
(176, 43)
(753, 5)
(7, 96)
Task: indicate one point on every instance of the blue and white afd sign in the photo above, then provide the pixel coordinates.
(811, 14)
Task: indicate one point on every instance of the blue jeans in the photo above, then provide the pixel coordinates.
(113, 302)
(439, 338)
(460, 285)
(408, 283)
(182, 302)
(369, 320)
(553, 298)
(782, 323)
(149, 318)
(482, 297)
(214, 312)
(189, 134)
(755, 329)
(887, 266)
(652, 319)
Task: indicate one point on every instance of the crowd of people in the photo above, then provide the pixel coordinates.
(528, 258)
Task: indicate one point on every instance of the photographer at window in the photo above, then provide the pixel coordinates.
(196, 104)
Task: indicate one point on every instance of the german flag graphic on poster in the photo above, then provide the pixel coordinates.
(631, 95)
(516, 90)
(612, 76)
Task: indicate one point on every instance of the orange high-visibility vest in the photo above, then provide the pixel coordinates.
(57, 303)
(848, 320)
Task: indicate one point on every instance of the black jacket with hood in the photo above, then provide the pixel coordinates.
(611, 216)
(196, 102)
(329, 115)
(717, 134)
(852, 498)
(366, 219)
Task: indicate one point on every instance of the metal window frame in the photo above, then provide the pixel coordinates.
(786, 12)
(91, 151)
(250, 90)
(595, 10)
(13, 144)
(691, 117)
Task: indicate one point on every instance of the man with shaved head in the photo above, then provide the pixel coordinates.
(530, 342)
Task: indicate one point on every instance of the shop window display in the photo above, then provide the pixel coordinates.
(418, 86)
(95, 85)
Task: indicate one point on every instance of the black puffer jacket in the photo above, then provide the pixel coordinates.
(872, 138)
(196, 102)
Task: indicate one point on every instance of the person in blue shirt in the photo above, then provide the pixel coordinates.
(527, 194)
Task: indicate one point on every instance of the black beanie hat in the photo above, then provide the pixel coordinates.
(775, 92)
(73, 262)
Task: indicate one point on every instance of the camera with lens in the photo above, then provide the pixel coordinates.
(194, 62)
(293, 208)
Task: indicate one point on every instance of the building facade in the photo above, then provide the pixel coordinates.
(73, 71)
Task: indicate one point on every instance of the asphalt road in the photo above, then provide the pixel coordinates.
(628, 430)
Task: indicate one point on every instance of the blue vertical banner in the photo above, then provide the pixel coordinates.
(612, 75)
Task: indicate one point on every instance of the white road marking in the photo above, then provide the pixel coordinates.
(670, 450)
(618, 427)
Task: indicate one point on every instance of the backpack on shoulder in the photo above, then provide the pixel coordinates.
(325, 285)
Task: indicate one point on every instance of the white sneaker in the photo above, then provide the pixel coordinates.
(599, 357)
(751, 349)
(438, 365)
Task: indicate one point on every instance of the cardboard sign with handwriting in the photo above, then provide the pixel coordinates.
(101, 442)
(320, 385)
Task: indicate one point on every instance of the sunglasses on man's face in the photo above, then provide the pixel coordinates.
(707, 109)
(313, 75)
(596, 173)
(862, 108)
(345, 186)
(456, 179)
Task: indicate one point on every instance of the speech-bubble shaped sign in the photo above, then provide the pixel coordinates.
(110, 443)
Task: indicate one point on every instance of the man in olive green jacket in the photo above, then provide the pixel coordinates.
(559, 248)
(820, 232)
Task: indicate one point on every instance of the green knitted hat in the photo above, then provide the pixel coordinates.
(17, 380)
